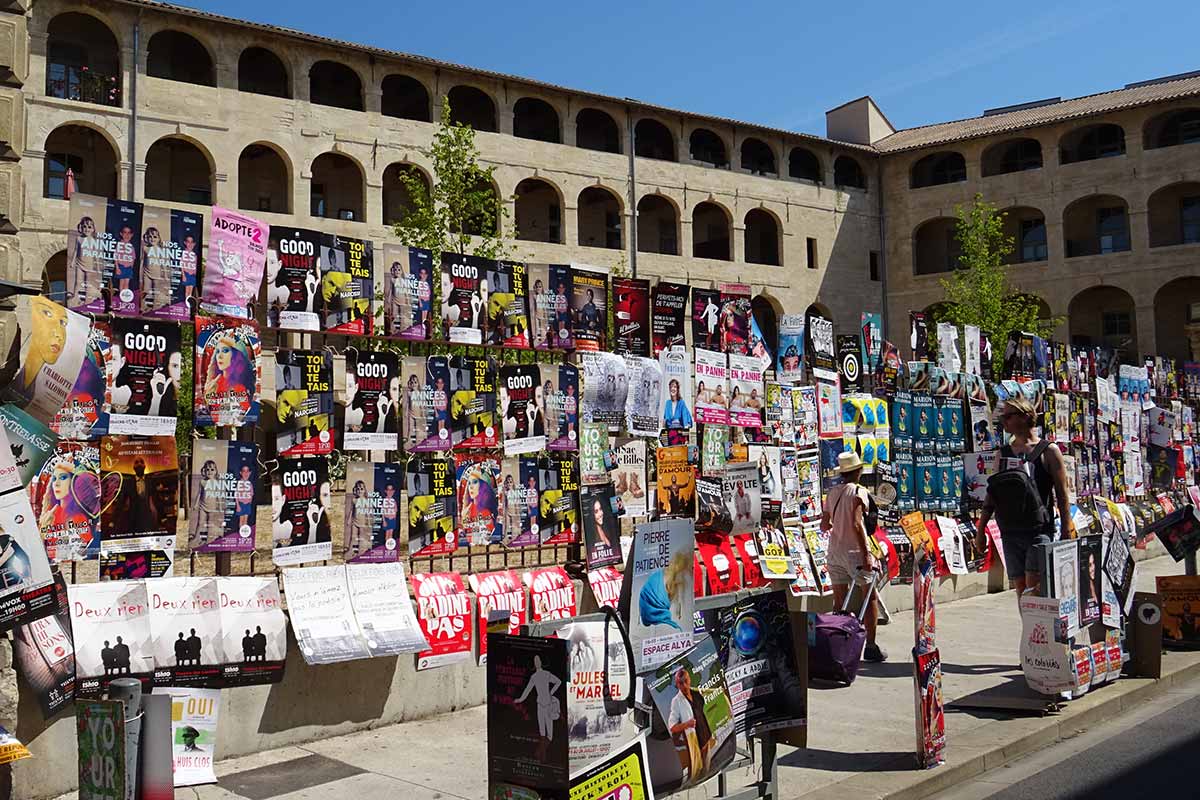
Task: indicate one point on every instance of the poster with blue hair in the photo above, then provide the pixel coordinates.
(661, 594)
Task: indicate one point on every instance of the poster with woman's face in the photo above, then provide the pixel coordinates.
(347, 284)
(373, 400)
(301, 511)
(146, 364)
(601, 527)
(464, 297)
(426, 398)
(473, 403)
(224, 488)
(478, 504)
(304, 402)
(405, 282)
(104, 248)
(228, 372)
(372, 515)
(233, 271)
(522, 408)
(47, 351)
(677, 408)
(551, 287)
(85, 413)
(293, 278)
(560, 385)
(172, 241)
(65, 498)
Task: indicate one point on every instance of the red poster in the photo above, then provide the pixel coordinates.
(752, 576)
(631, 316)
(495, 591)
(606, 585)
(551, 594)
(720, 564)
(444, 612)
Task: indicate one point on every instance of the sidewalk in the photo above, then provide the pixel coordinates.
(861, 738)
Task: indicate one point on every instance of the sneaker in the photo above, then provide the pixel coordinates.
(874, 653)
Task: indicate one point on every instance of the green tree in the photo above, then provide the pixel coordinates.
(980, 292)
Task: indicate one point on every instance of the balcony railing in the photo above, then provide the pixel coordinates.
(1098, 246)
(70, 82)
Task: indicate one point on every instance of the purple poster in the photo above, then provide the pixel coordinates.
(237, 257)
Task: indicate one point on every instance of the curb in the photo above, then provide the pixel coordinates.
(987, 747)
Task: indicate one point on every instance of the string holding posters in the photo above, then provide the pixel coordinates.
(237, 257)
(551, 289)
(631, 316)
(372, 516)
(293, 268)
(228, 373)
(172, 241)
(301, 501)
(407, 291)
(372, 416)
(430, 484)
(668, 311)
(147, 367)
(464, 297)
(589, 308)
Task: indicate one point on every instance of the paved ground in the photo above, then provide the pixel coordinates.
(861, 737)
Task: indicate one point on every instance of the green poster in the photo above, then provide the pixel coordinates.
(100, 727)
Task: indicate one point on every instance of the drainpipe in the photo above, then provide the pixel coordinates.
(633, 218)
(133, 115)
(883, 272)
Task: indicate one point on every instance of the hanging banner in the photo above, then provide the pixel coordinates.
(300, 511)
(254, 629)
(426, 422)
(712, 374)
(65, 497)
(444, 614)
(347, 284)
(819, 346)
(382, 609)
(668, 310)
(104, 250)
(589, 308)
(735, 318)
(322, 616)
(561, 383)
(473, 403)
(661, 592)
(601, 528)
(677, 399)
(52, 351)
(372, 417)
(850, 367)
(233, 270)
(372, 517)
(228, 375)
(293, 279)
(644, 396)
(110, 623)
(497, 591)
(522, 409)
(789, 357)
(676, 483)
(304, 402)
(518, 501)
(194, 714)
(45, 656)
(551, 289)
(746, 391)
(631, 316)
(407, 292)
(605, 387)
(147, 367)
(706, 318)
(172, 241)
(224, 481)
(629, 477)
(464, 297)
(430, 484)
(478, 503)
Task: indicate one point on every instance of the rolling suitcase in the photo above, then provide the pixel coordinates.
(839, 638)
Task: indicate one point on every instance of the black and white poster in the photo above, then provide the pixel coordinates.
(293, 279)
(383, 609)
(605, 387)
(147, 367)
(522, 408)
(849, 362)
(668, 312)
(322, 616)
(372, 420)
(301, 511)
(464, 297)
(254, 630)
(820, 349)
(110, 623)
(304, 402)
(185, 621)
(644, 396)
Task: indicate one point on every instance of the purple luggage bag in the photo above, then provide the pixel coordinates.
(838, 641)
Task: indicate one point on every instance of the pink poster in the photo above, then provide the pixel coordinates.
(237, 257)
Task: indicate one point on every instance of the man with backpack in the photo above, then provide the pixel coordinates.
(1019, 495)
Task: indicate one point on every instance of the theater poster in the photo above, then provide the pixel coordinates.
(85, 413)
(233, 270)
(347, 285)
(254, 630)
(507, 322)
(293, 267)
(631, 316)
(735, 318)
(224, 487)
(601, 526)
(746, 392)
(379, 596)
(870, 329)
(789, 358)
(426, 393)
(589, 308)
(668, 312)
(30, 443)
(551, 594)
(185, 626)
(605, 386)
(372, 516)
(147, 368)
(26, 584)
(137, 558)
(819, 346)
(478, 503)
(110, 622)
(551, 287)
(499, 591)
(522, 408)
(373, 400)
(322, 616)
(301, 509)
(518, 501)
(706, 319)
(515, 305)
(65, 497)
(444, 614)
(558, 502)
(103, 251)
(662, 591)
(644, 397)
(430, 484)
(712, 375)
(172, 241)
(45, 656)
(561, 383)
(46, 356)
(606, 584)
(473, 403)
(228, 377)
(464, 297)
(405, 282)
(139, 488)
(304, 402)
(629, 476)
(676, 483)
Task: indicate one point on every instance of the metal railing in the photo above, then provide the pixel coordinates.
(70, 82)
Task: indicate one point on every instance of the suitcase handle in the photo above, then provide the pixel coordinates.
(873, 581)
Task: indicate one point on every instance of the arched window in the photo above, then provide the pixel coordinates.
(178, 171)
(708, 148)
(397, 200)
(536, 119)
(1014, 155)
(262, 72)
(757, 157)
(473, 107)
(334, 84)
(83, 61)
(599, 219)
(1092, 142)
(89, 157)
(405, 97)
(336, 189)
(1027, 229)
(848, 172)
(1104, 316)
(766, 311)
(538, 212)
(938, 169)
(1175, 318)
(1096, 225)
(263, 180)
(710, 232)
(176, 56)
(596, 130)
(935, 246)
(657, 226)
(804, 164)
(762, 237)
(1174, 213)
(653, 140)
(1177, 127)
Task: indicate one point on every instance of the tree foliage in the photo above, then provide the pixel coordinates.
(980, 292)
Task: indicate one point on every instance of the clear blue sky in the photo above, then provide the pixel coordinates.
(780, 64)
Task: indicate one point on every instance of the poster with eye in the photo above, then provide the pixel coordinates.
(478, 499)
(147, 368)
(30, 443)
(522, 408)
(712, 375)
(224, 487)
(103, 251)
(46, 351)
(304, 402)
(464, 297)
(86, 411)
(293, 279)
(676, 483)
(605, 388)
(65, 497)
(139, 489)
(561, 386)
(558, 503)
(745, 392)
(372, 516)
(405, 282)
(473, 403)
(228, 376)
(677, 390)
(426, 393)
(789, 356)
(551, 287)
(668, 312)
(172, 241)
(507, 322)
(517, 498)
(233, 270)
(631, 316)
(110, 623)
(185, 629)
(644, 397)
(820, 349)
(430, 484)
(301, 511)
(629, 476)
(347, 285)
(372, 417)
(589, 308)
(601, 526)
(734, 324)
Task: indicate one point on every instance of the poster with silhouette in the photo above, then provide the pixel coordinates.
(444, 614)
(304, 402)
(233, 269)
(139, 490)
(347, 285)
(44, 654)
(589, 308)
(46, 350)
(405, 283)
(430, 485)
(668, 312)
(321, 614)
(104, 248)
(464, 298)
(373, 400)
(528, 743)
(224, 491)
(110, 622)
(172, 243)
(301, 511)
(522, 408)
(660, 596)
(560, 383)
(500, 591)
(86, 410)
(185, 623)
(631, 316)
(473, 423)
(147, 368)
(371, 523)
(293, 267)
(253, 630)
(379, 597)
(425, 421)
(228, 376)
(551, 287)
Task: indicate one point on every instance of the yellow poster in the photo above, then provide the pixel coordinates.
(624, 775)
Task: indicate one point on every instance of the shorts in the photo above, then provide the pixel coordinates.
(842, 566)
(1021, 554)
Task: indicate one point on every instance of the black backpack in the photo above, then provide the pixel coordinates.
(1015, 497)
